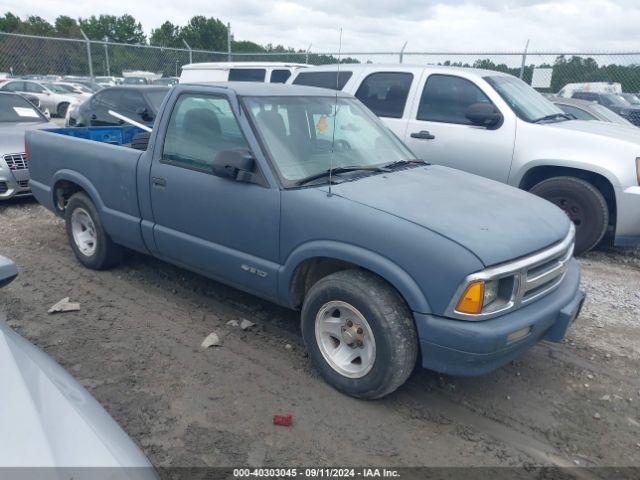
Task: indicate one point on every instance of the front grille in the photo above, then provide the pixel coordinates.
(542, 278)
(16, 161)
(23, 183)
(3, 187)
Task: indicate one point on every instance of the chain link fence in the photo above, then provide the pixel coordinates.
(32, 55)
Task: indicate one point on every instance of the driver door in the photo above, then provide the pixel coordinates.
(439, 132)
(222, 228)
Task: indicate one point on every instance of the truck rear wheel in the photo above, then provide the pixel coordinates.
(359, 334)
(90, 243)
(584, 205)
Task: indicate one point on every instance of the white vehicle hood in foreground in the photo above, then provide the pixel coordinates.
(48, 420)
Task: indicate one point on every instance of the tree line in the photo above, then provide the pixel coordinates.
(32, 56)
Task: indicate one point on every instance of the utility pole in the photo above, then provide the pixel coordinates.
(88, 42)
(228, 42)
(188, 48)
(524, 59)
(106, 56)
(402, 51)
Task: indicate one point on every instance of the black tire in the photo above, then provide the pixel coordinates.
(107, 254)
(584, 205)
(61, 111)
(390, 322)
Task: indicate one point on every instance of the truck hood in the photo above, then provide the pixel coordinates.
(12, 135)
(494, 221)
(49, 420)
(626, 133)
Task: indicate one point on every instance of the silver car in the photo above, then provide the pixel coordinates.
(17, 115)
(585, 110)
(53, 97)
(49, 420)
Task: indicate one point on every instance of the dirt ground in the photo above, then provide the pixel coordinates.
(135, 345)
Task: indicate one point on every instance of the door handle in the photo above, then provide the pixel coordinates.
(422, 135)
(158, 182)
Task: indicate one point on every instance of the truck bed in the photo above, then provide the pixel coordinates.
(96, 160)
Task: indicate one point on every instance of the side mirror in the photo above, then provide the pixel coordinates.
(143, 112)
(484, 115)
(8, 271)
(236, 165)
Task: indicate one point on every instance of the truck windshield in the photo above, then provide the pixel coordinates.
(298, 133)
(526, 103)
(14, 108)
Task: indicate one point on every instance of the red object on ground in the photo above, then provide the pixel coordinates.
(283, 420)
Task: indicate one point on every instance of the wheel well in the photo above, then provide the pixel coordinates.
(538, 174)
(62, 191)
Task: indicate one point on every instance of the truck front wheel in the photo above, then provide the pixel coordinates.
(90, 243)
(584, 205)
(359, 333)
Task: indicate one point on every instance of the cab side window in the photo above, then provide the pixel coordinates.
(247, 74)
(280, 76)
(446, 98)
(200, 127)
(386, 93)
(333, 80)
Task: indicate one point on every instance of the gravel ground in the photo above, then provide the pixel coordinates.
(135, 345)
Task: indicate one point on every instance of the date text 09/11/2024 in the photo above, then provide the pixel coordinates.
(322, 472)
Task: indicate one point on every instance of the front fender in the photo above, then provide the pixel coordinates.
(372, 261)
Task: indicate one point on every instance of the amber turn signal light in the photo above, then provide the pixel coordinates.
(471, 301)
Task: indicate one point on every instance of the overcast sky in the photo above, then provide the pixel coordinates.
(384, 25)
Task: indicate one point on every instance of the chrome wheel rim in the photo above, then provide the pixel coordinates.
(84, 232)
(345, 339)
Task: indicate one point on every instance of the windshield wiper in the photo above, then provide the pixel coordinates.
(400, 163)
(566, 116)
(339, 170)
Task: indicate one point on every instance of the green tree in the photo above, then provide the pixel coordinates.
(67, 27)
(10, 23)
(205, 33)
(36, 25)
(123, 29)
(167, 35)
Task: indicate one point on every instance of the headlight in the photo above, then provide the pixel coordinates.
(487, 296)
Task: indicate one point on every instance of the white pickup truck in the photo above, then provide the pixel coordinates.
(497, 126)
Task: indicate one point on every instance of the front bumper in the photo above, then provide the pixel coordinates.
(628, 216)
(467, 348)
(14, 184)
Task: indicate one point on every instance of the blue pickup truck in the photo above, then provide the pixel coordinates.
(303, 197)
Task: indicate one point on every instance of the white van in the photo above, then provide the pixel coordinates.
(270, 72)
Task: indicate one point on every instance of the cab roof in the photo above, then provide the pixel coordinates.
(381, 67)
(260, 89)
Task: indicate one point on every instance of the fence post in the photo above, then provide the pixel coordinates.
(306, 54)
(106, 56)
(524, 59)
(402, 51)
(88, 42)
(188, 48)
(229, 58)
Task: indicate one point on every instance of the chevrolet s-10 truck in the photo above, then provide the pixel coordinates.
(303, 197)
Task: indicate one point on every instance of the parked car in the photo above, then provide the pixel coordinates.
(166, 81)
(595, 87)
(270, 72)
(107, 81)
(387, 257)
(135, 81)
(614, 102)
(585, 110)
(632, 98)
(81, 92)
(56, 99)
(50, 421)
(84, 81)
(468, 119)
(17, 115)
(138, 103)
